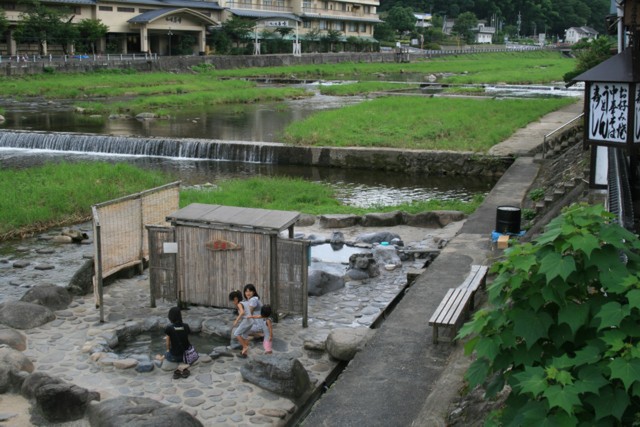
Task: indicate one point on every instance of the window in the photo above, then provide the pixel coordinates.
(339, 26)
(306, 24)
(8, 6)
(126, 9)
(326, 5)
(363, 28)
(322, 25)
(367, 9)
(141, 10)
(344, 7)
(105, 8)
(353, 27)
(306, 4)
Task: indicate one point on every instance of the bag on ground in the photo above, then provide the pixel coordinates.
(191, 355)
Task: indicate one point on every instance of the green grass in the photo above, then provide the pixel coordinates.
(295, 194)
(421, 123)
(360, 88)
(42, 197)
(38, 198)
(508, 67)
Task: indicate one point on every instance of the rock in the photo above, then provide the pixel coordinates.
(337, 237)
(306, 220)
(382, 236)
(138, 412)
(386, 255)
(21, 264)
(12, 338)
(339, 221)
(63, 402)
(82, 281)
(281, 374)
(2, 119)
(76, 235)
(44, 267)
(321, 282)
(51, 296)
(61, 239)
(24, 315)
(385, 219)
(217, 327)
(35, 381)
(144, 367)
(433, 219)
(146, 116)
(127, 363)
(10, 379)
(362, 266)
(344, 343)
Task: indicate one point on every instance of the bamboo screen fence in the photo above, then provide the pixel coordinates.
(121, 240)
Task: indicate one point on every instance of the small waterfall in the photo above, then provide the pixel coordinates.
(247, 152)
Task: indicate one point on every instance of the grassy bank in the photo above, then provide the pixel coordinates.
(39, 198)
(507, 67)
(302, 196)
(421, 123)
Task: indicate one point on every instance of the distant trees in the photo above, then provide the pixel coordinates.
(46, 25)
(401, 19)
(90, 31)
(464, 26)
(589, 54)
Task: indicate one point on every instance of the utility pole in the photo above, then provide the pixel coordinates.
(519, 23)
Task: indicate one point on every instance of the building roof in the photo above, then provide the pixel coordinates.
(584, 30)
(263, 14)
(194, 4)
(234, 218)
(341, 18)
(152, 15)
(87, 2)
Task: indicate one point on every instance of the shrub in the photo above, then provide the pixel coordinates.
(562, 326)
(536, 194)
(528, 214)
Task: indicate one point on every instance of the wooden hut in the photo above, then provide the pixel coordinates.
(222, 248)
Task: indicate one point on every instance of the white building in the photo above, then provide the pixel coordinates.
(575, 34)
(484, 34)
(423, 20)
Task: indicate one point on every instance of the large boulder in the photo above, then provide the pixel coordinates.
(384, 219)
(82, 281)
(278, 373)
(321, 282)
(434, 219)
(24, 315)
(138, 412)
(12, 338)
(362, 266)
(344, 343)
(51, 296)
(386, 255)
(339, 221)
(35, 381)
(62, 402)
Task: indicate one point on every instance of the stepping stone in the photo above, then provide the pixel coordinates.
(21, 264)
(44, 267)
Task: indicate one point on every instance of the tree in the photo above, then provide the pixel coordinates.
(464, 26)
(384, 32)
(238, 29)
(45, 25)
(561, 329)
(312, 37)
(401, 19)
(331, 38)
(90, 31)
(589, 54)
(4, 22)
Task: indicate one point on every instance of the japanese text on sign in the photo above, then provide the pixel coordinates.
(609, 103)
(277, 23)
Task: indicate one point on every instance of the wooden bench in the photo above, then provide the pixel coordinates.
(452, 310)
(476, 279)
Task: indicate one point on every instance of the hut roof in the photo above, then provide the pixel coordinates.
(232, 217)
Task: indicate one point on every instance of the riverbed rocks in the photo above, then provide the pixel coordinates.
(279, 373)
(344, 343)
(81, 282)
(431, 219)
(51, 296)
(362, 266)
(62, 402)
(322, 281)
(138, 412)
(12, 338)
(24, 315)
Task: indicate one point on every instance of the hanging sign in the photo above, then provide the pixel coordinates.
(609, 103)
(218, 245)
(277, 24)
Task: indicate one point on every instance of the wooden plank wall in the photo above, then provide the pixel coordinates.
(206, 277)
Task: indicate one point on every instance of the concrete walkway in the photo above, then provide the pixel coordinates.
(401, 378)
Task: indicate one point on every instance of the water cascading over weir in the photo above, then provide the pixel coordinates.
(372, 158)
(248, 152)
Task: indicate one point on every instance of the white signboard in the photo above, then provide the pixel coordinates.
(170, 248)
(277, 24)
(608, 106)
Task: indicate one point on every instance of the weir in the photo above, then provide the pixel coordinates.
(433, 163)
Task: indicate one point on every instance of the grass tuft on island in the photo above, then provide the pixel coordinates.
(56, 194)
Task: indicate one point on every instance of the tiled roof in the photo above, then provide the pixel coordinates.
(260, 14)
(194, 4)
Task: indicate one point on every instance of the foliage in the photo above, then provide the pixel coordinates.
(234, 32)
(383, 31)
(464, 25)
(90, 31)
(330, 38)
(4, 22)
(45, 25)
(561, 329)
(590, 54)
(401, 19)
(528, 214)
(536, 194)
